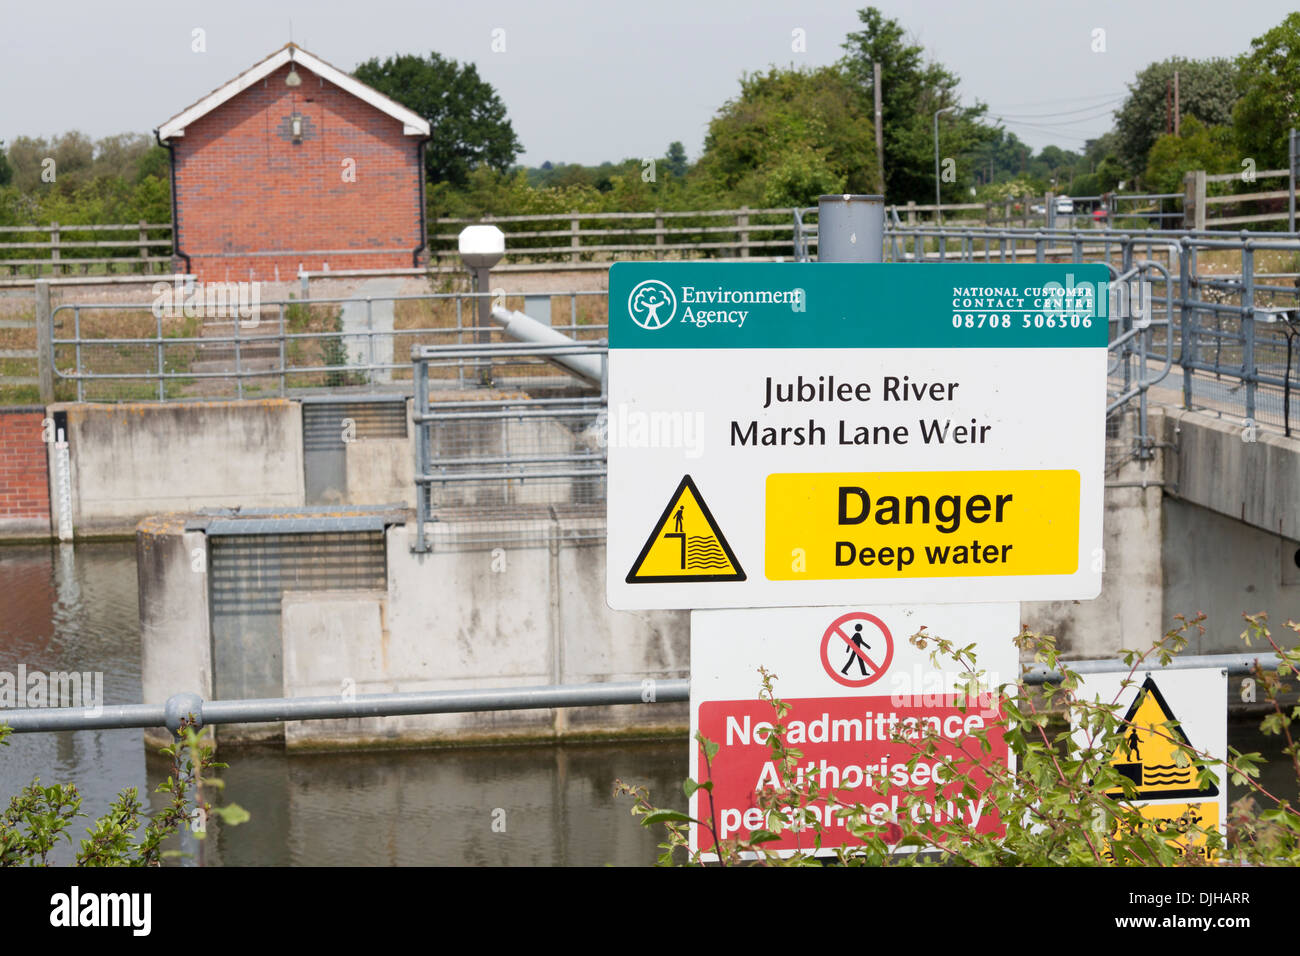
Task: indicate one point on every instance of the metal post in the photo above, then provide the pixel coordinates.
(76, 334)
(421, 459)
(851, 228)
(370, 343)
(282, 348)
(1185, 319)
(1248, 325)
(483, 322)
(239, 368)
(162, 391)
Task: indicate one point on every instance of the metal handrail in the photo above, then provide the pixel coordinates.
(542, 697)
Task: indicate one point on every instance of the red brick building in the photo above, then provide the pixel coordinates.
(293, 165)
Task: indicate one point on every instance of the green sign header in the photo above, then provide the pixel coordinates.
(794, 305)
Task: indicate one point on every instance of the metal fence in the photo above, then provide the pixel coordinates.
(516, 453)
(138, 351)
(1210, 325)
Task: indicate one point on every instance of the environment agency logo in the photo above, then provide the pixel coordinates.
(652, 304)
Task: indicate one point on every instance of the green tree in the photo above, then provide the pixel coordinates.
(469, 127)
(791, 135)
(1211, 148)
(1268, 78)
(912, 90)
(1206, 90)
(6, 171)
(677, 164)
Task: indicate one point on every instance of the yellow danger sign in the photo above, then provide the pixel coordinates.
(1145, 751)
(921, 524)
(686, 544)
(1185, 826)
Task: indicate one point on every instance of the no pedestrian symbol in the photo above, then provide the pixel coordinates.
(857, 649)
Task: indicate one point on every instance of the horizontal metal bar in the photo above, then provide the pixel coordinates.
(277, 709)
(498, 475)
(650, 690)
(1235, 664)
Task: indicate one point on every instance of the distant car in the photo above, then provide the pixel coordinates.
(1038, 210)
(1064, 206)
(1099, 214)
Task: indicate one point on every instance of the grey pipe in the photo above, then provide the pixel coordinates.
(524, 328)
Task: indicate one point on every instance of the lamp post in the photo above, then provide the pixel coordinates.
(938, 214)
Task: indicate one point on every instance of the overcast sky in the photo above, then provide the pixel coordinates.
(590, 80)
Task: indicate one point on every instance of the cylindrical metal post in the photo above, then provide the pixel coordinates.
(850, 228)
(1248, 372)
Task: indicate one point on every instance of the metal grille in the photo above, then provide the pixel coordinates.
(322, 422)
(247, 577)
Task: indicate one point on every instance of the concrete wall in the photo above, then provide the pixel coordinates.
(1218, 465)
(1128, 613)
(456, 619)
(380, 471)
(1224, 568)
(134, 460)
(175, 641)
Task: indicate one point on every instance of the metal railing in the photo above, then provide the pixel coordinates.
(338, 707)
(522, 451)
(135, 351)
(1229, 324)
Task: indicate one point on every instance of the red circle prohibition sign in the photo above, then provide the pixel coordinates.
(866, 652)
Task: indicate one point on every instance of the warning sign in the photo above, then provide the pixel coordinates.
(1185, 826)
(1171, 795)
(866, 433)
(686, 544)
(858, 743)
(868, 642)
(1146, 752)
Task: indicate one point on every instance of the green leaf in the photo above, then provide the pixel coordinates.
(666, 816)
(232, 814)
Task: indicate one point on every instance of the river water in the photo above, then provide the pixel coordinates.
(75, 609)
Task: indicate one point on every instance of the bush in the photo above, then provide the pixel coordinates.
(1061, 805)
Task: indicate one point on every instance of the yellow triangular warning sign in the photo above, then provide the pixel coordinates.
(686, 544)
(1145, 753)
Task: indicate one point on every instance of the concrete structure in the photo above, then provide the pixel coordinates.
(176, 654)
(131, 460)
(294, 164)
(449, 619)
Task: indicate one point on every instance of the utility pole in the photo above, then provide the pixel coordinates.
(880, 124)
(1176, 107)
(1169, 121)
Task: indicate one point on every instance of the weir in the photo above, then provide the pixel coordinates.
(357, 540)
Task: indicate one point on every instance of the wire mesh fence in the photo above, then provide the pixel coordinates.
(510, 444)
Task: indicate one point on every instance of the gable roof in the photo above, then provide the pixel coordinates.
(412, 123)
